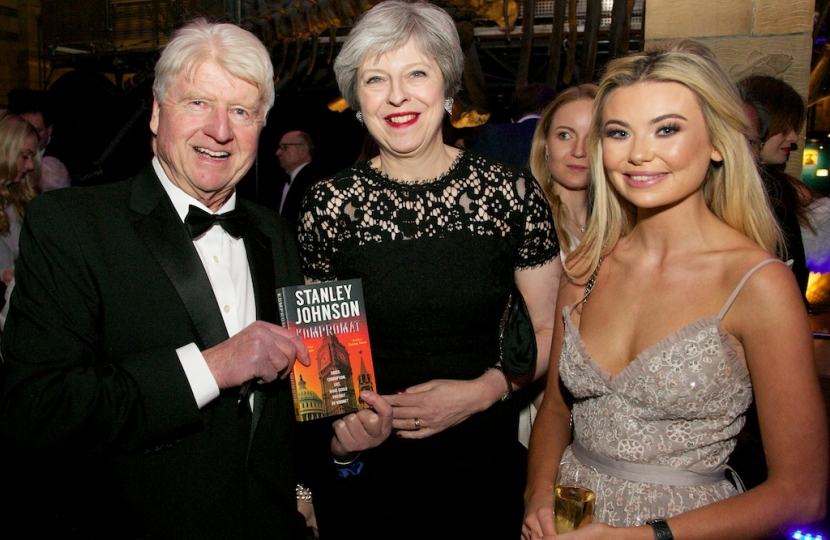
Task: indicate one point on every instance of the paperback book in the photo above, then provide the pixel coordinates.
(330, 319)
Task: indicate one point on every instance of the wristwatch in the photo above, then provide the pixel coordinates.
(661, 529)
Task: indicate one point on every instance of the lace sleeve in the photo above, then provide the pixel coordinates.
(315, 231)
(539, 243)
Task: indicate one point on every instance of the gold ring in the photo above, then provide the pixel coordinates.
(417, 424)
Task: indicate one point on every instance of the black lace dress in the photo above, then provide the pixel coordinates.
(437, 260)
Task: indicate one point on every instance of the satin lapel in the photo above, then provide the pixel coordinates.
(167, 239)
(261, 263)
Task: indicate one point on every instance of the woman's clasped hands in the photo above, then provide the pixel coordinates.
(429, 408)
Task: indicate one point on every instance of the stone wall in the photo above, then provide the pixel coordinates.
(767, 37)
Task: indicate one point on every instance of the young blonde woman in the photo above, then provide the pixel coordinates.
(19, 174)
(675, 312)
(559, 162)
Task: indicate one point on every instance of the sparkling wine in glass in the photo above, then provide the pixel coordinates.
(573, 508)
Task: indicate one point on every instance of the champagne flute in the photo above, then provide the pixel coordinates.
(573, 506)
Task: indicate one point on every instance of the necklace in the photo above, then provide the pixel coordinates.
(581, 229)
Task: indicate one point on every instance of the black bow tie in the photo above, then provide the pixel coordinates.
(198, 222)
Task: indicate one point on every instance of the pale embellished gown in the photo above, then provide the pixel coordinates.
(668, 421)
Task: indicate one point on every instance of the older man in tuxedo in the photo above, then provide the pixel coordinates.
(143, 369)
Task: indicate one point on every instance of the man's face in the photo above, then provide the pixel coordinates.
(206, 132)
(43, 132)
(292, 151)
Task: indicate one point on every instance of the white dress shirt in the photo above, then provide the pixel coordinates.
(226, 264)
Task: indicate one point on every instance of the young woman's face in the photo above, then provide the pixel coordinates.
(565, 148)
(25, 158)
(776, 149)
(655, 143)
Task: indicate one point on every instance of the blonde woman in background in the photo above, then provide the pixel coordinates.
(675, 314)
(559, 162)
(19, 174)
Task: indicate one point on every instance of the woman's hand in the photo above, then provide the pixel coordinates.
(601, 531)
(539, 521)
(594, 531)
(364, 429)
(429, 408)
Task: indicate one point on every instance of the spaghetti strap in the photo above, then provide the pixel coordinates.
(740, 285)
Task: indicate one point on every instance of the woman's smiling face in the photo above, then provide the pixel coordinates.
(402, 99)
(655, 143)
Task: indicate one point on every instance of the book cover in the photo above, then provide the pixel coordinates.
(330, 319)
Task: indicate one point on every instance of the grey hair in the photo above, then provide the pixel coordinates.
(238, 52)
(389, 26)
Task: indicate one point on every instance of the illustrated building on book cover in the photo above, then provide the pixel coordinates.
(330, 319)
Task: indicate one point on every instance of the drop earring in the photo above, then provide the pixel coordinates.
(448, 105)
(359, 116)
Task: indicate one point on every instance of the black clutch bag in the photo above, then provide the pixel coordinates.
(518, 340)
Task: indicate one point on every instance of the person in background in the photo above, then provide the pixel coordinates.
(510, 142)
(143, 390)
(295, 153)
(778, 104)
(674, 313)
(31, 106)
(439, 237)
(19, 174)
(559, 162)
(781, 114)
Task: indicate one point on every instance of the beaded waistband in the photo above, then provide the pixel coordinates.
(640, 472)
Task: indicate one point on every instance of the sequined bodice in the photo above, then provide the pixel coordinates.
(679, 403)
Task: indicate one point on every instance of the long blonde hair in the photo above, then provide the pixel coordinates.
(539, 163)
(13, 134)
(732, 189)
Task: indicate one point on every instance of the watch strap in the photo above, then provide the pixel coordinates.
(662, 531)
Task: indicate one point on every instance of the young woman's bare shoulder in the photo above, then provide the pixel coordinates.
(747, 255)
(770, 291)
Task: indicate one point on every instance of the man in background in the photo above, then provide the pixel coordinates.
(510, 142)
(295, 153)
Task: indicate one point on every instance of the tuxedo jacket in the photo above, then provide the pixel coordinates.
(307, 176)
(109, 284)
(508, 143)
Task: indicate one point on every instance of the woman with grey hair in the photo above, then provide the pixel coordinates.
(439, 237)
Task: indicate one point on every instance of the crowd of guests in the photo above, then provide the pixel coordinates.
(143, 392)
